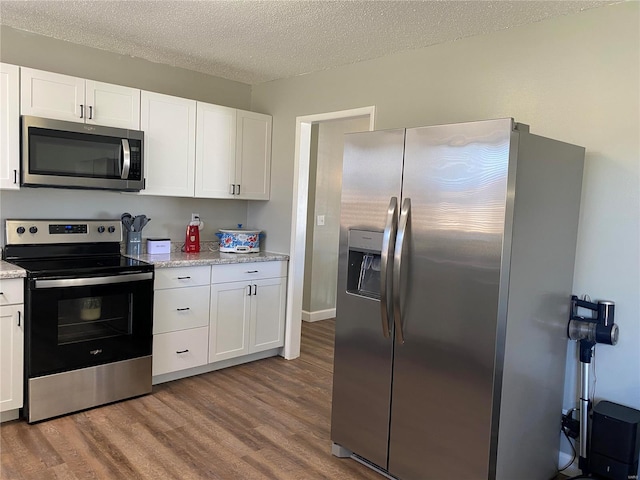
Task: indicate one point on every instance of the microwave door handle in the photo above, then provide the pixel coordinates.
(126, 151)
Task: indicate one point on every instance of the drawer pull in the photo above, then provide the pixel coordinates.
(182, 351)
(184, 278)
(253, 271)
(19, 317)
(182, 309)
(255, 289)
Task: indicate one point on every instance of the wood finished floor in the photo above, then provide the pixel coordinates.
(266, 419)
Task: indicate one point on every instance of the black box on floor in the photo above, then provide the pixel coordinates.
(615, 441)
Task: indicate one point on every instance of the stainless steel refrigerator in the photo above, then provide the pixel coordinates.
(457, 248)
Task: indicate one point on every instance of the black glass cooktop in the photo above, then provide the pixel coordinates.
(78, 266)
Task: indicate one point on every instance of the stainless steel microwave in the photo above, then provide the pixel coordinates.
(63, 154)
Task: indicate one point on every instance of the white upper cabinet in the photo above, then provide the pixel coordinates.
(253, 156)
(169, 125)
(52, 95)
(215, 151)
(113, 105)
(9, 127)
(233, 153)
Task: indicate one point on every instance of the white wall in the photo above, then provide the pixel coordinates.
(573, 78)
(325, 178)
(169, 216)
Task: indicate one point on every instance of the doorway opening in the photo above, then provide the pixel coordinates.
(327, 127)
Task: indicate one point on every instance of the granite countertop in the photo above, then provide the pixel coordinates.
(181, 259)
(8, 270)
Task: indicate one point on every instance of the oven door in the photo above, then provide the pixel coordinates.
(81, 322)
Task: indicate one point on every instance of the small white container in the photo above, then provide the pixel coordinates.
(158, 246)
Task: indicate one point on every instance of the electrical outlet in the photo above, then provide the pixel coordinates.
(195, 216)
(320, 220)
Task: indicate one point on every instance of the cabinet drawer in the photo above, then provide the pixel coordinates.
(180, 350)
(11, 291)
(238, 272)
(181, 277)
(181, 308)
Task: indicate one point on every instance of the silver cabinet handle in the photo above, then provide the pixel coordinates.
(397, 268)
(19, 317)
(182, 309)
(15, 176)
(81, 111)
(90, 112)
(249, 294)
(390, 230)
(126, 164)
(252, 271)
(184, 278)
(238, 189)
(255, 289)
(182, 351)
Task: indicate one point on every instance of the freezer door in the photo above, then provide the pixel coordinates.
(372, 175)
(455, 191)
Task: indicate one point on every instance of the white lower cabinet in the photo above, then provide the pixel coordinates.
(247, 316)
(11, 345)
(180, 319)
(206, 314)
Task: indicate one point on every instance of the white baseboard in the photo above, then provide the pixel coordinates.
(573, 469)
(318, 315)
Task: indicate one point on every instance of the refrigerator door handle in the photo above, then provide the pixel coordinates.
(397, 268)
(390, 230)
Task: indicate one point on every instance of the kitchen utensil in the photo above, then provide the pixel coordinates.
(239, 240)
(126, 221)
(137, 223)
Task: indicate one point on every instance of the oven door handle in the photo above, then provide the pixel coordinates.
(89, 281)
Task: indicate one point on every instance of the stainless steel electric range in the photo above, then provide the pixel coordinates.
(88, 315)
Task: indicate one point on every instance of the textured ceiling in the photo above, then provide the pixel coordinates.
(254, 41)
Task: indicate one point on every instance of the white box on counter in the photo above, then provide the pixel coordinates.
(157, 246)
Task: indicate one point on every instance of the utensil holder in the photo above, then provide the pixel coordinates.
(134, 243)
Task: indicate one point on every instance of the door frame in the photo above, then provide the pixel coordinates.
(295, 280)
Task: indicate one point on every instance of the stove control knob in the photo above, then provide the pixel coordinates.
(33, 229)
(112, 229)
(100, 229)
(20, 230)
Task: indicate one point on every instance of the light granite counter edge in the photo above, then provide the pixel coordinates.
(180, 259)
(8, 270)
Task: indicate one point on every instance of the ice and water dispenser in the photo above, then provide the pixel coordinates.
(363, 277)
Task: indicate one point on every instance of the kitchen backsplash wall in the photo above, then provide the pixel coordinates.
(169, 215)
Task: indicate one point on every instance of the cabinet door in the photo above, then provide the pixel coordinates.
(229, 329)
(215, 151)
(253, 155)
(11, 357)
(266, 327)
(169, 125)
(9, 127)
(51, 95)
(112, 105)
